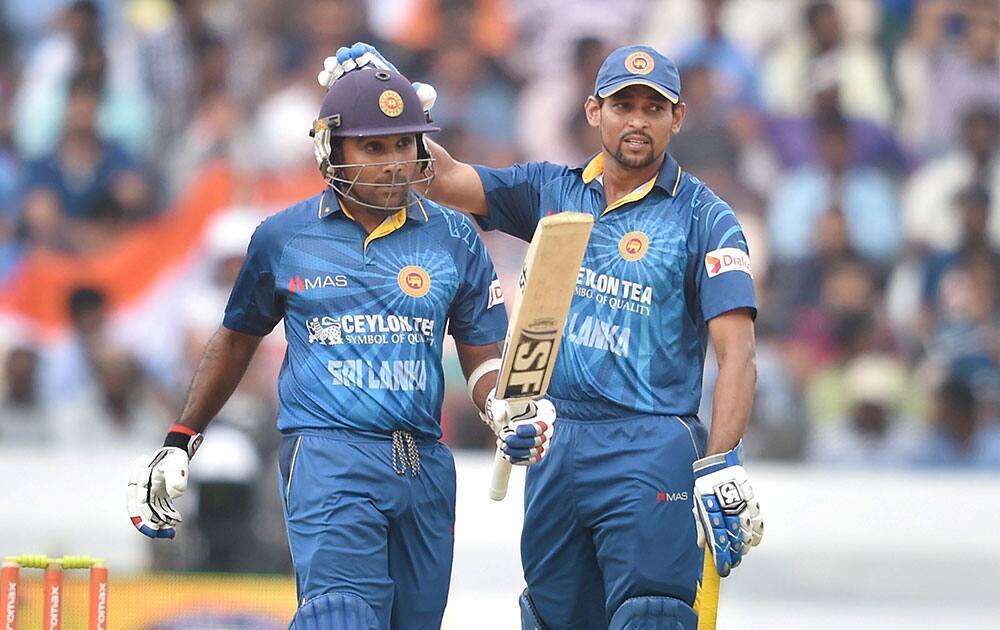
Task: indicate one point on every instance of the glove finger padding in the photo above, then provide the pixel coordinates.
(139, 510)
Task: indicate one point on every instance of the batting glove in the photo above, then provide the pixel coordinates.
(725, 511)
(362, 55)
(157, 481)
(523, 429)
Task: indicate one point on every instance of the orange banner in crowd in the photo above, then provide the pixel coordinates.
(39, 288)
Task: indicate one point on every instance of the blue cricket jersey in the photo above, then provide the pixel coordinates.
(662, 261)
(365, 314)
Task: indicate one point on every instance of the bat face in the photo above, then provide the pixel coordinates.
(533, 355)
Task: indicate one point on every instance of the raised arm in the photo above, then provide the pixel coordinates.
(456, 184)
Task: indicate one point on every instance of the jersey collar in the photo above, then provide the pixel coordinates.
(415, 213)
(667, 179)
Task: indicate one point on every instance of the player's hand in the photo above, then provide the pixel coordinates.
(523, 429)
(362, 55)
(725, 510)
(154, 484)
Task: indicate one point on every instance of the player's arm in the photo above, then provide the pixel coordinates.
(480, 365)
(456, 184)
(732, 337)
(220, 370)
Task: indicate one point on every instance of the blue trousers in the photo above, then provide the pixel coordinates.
(608, 517)
(355, 526)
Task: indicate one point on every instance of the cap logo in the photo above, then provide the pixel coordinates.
(391, 103)
(414, 281)
(639, 63)
(633, 246)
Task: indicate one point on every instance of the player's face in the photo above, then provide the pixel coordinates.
(636, 124)
(389, 167)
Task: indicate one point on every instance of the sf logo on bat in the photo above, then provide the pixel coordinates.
(533, 354)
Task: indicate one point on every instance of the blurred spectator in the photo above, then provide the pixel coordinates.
(965, 339)
(169, 61)
(796, 138)
(551, 121)
(730, 69)
(67, 366)
(873, 429)
(473, 103)
(930, 216)
(76, 48)
(66, 186)
(955, 438)
(974, 205)
(486, 23)
(864, 195)
(24, 415)
(120, 409)
(858, 69)
(961, 74)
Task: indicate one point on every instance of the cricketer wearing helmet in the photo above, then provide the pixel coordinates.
(365, 275)
(609, 540)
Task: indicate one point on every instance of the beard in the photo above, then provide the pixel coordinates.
(633, 161)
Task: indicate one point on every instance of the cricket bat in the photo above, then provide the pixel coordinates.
(548, 279)
(707, 600)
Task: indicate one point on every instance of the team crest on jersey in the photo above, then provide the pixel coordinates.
(391, 103)
(639, 63)
(325, 331)
(414, 281)
(633, 246)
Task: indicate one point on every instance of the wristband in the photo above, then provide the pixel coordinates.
(184, 438)
(487, 366)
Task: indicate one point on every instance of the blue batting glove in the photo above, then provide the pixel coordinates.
(360, 55)
(725, 510)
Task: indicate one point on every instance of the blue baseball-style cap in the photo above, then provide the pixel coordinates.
(639, 65)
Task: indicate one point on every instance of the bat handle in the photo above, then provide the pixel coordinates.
(500, 477)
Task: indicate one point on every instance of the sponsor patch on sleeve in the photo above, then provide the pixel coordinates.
(727, 259)
(495, 294)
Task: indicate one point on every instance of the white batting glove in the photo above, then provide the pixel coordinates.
(157, 481)
(523, 429)
(725, 510)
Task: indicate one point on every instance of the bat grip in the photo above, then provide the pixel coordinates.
(500, 477)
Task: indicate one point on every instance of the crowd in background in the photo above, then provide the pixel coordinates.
(858, 141)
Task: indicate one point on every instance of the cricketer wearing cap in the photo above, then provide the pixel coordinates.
(365, 276)
(609, 539)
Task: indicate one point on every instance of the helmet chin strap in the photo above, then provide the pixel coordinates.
(346, 188)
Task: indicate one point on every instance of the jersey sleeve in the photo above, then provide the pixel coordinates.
(255, 306)
(724, 276)
(477, 316)
(513, 196)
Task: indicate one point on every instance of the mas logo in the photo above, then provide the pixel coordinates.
(639, 63)
(727, 259)
(414, 281)
(391, 103)
(633, 246)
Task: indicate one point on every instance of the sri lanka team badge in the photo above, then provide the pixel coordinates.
(391, 103)
(633, 246)
(639, 63)
(414, 281)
